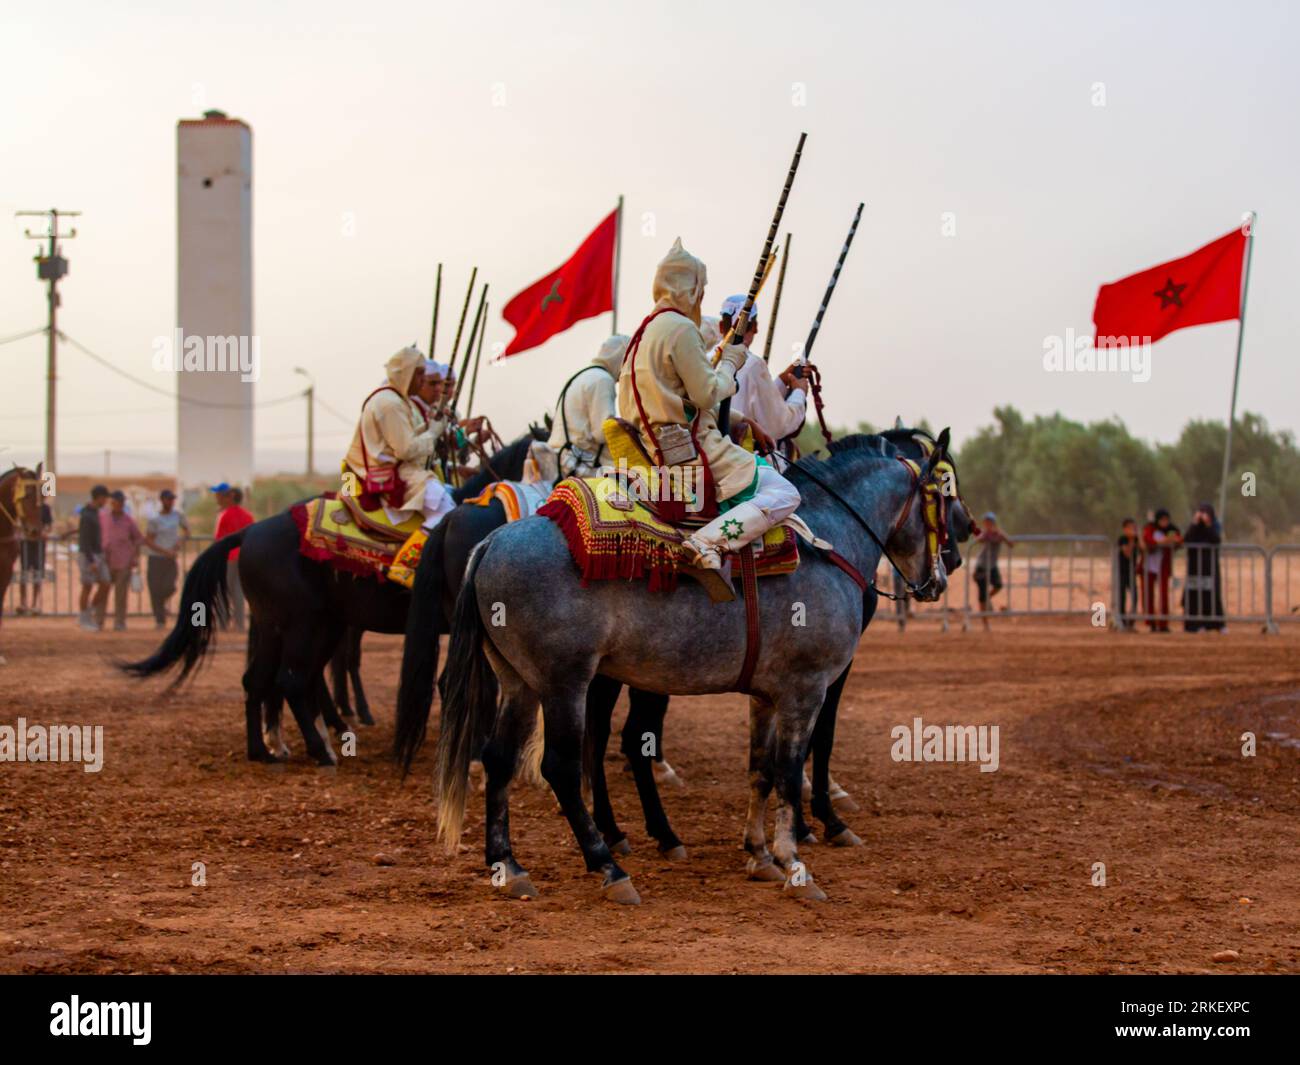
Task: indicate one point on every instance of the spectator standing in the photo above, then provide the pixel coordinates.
(232, 518)
(164, 533)
(122, 539)
(1129, 546)
(988, 578)
(95, 578)
(1203, 592)
(32, 562)
(1160, 539)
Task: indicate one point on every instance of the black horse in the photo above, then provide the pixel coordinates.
(299, 609)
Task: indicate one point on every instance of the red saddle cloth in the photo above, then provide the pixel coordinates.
(612, 537)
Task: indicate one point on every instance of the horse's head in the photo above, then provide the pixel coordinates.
(21, 500)
(919, 445)
(920, 538)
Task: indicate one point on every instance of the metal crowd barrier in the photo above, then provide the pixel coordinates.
(1043, 576)
(1284, 585)
(1064, 576)
(61, 587)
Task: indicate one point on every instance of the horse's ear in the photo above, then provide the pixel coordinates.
(943, 441)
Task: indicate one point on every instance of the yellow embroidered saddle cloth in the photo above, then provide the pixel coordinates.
(335, 529)
(611, 536)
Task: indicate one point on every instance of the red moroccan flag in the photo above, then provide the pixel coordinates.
(1200, 288)
(581, 288)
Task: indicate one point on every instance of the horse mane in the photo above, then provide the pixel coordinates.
(844, 452)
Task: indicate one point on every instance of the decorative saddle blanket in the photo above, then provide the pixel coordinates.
(520, 500)
(335, 529)
(613, 537)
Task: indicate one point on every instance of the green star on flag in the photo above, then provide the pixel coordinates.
(732, 529)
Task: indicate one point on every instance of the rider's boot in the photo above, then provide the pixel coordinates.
(729, 531)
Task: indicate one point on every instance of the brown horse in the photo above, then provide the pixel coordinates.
(20, 518)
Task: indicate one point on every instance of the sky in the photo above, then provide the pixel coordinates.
(1012, 157)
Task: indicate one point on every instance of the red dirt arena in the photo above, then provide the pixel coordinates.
(1125, 750)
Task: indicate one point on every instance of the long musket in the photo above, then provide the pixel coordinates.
(478, 355)
(437, 299)
(830, 289)
(469, 345)
(776, 300)
(814, 375)
(455, 347)
(741, 321)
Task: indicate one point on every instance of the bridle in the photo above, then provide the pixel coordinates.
(19, 484)
(934, 517)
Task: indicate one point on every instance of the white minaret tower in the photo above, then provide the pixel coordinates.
(214, 299)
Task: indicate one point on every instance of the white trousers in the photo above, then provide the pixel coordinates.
(775, 496)
(435, 506)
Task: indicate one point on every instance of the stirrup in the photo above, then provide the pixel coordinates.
(701, 555)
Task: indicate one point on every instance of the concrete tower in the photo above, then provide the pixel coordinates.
(214, 302)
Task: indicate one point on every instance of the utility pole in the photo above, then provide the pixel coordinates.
(310, 394)
(51, 267)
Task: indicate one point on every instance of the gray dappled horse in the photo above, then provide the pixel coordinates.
(524, 621)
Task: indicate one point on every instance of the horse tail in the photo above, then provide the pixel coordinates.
(193, 634)
(530, 770)
(469, 704)
(420, 651)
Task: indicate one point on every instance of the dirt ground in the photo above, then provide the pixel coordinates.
(1119, 749)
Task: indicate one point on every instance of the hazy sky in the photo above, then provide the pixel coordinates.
(498, 134)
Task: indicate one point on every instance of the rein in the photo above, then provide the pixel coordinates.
(934, 534)
(815, 387)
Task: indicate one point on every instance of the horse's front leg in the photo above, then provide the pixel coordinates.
(644, 729)
(796, 714)
(823, 740)
(602, 694)
(565, 710)
(761, 865)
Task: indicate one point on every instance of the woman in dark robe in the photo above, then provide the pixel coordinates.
(1202, 593)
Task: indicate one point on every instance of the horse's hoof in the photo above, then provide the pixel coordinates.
(766, 871)
(620, 848)
(675, 854)
(807, 837)
(807, 890)
(844, 803)
(520, 887)
(846, 838)
(622, 891)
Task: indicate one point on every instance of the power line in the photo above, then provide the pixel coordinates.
(22, 336)
(172, 395)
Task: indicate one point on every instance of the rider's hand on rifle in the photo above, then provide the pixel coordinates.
(793, 379)
(734, 355)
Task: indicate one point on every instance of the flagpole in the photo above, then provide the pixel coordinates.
(1236, 375)
(618, 257)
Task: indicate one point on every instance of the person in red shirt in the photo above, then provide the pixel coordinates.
(231, 519)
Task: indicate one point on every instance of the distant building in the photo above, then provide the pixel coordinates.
(214, 302)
